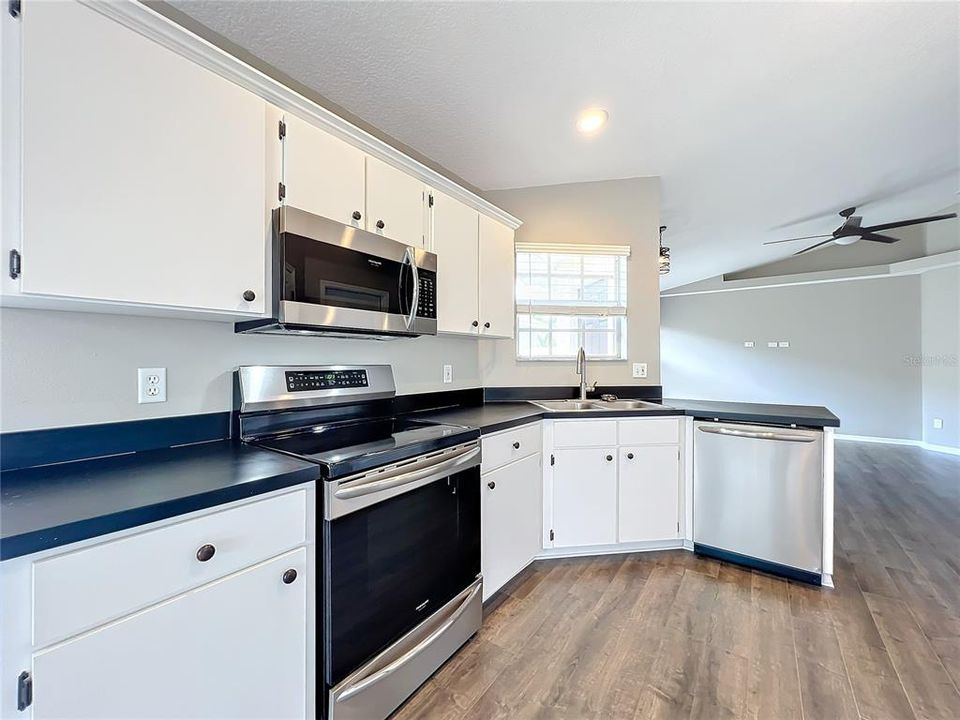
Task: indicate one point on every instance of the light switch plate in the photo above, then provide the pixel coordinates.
(639, 370)
(448, 373)
(783, 343)
(748, 343)
(151, 385)
(772, 343)
(938, 423)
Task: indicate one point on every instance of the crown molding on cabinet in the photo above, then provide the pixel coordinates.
(153, 25)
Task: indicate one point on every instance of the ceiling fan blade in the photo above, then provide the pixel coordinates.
(905, 223)
(878, 238)
(813, 247)
(805, 237)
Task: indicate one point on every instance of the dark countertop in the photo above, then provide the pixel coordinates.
(494, 417)
(53, 505)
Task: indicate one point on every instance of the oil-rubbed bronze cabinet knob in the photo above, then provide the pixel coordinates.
(249, 295)
(629, 456)
(491, 485)
(516, 445)
(380, 225)
(609, 458)
(289, 576)
(357, 215)
(487, 325)
(476, 323)
(205, 552)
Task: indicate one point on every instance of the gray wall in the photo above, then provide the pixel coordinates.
(621, 212)
(940, 290)
(69, 368)
(851, 345)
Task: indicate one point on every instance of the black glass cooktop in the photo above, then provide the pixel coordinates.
(346, 448)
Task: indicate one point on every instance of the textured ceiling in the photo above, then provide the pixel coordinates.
(762, 119)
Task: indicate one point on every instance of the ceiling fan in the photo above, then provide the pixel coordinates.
(850, 230)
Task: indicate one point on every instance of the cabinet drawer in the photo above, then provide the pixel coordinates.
(509, 445)
(649, 431)
(585, 433)
(82, 589)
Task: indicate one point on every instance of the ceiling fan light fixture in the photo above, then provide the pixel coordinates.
(846, 240)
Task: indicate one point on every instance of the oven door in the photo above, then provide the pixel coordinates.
(336, 276)
(399, 545)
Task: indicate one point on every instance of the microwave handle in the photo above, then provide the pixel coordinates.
(409, 257)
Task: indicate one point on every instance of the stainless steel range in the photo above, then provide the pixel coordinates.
(400, 585)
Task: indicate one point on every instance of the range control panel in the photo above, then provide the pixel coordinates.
(307, 380)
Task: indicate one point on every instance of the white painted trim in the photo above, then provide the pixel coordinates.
(826, 580)
(827, 493)
(915, 266)
(616, 549)
(923, 445)
(169, 34)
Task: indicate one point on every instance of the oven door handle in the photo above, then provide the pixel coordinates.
(395, 478)
(469, 595)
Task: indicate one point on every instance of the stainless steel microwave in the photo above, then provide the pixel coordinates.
(328, 278)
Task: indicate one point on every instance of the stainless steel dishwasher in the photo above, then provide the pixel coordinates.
(758, 497)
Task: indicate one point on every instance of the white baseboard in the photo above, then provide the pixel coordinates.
(618, 549)
(900, 441)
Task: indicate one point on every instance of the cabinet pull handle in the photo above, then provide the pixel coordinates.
(629, 456)
(487, 325)
(516, 445)
(609, 458)
(206, 552)
(491, 485)
(476, 323)
(249, 295)
(357, 215)
(289, 576)
(380, 225)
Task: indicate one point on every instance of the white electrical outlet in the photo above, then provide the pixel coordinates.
(938, 423)
(783, 343)
(448, 373)
(748, 343)
(639, 370)
(151, 385)
(772, 343)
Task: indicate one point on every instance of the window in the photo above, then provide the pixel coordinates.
(570, 296)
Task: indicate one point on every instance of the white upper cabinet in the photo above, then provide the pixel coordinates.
(143, 173)
(322, 174)
(455, 227)
(395, 204)
(497, 264)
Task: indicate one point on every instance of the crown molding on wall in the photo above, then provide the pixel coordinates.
(166, 32)
(914, 266)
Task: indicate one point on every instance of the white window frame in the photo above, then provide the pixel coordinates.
(584, 311)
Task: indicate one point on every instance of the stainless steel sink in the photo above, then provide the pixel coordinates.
(587, 405)
(627, 405)
(567, 405)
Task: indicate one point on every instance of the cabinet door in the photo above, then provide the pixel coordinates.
(649, 504)
(455, 227)
(511, 513)
(143, 173)
(321, 173)
(497, 279)
(585, 497)
(395, 206)
(235, 648)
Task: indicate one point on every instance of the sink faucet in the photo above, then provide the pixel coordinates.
(582, 372)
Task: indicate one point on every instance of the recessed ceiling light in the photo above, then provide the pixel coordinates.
(590, 121)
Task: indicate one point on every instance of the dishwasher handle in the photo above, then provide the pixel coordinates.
(758, 434)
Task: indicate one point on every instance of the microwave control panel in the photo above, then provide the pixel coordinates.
(427, 304)
(307, 380)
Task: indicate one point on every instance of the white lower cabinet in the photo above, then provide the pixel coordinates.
(585, 496)
(235, 648)
(649, 493)
(511, 521)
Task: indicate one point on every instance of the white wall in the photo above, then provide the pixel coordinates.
(71, 368)
(940, 299)
(622, 212)
(852, 349)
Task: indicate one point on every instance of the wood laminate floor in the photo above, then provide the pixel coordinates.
(671, 635)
